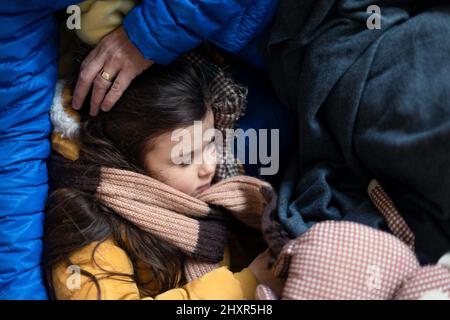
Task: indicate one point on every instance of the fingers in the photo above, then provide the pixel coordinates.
(87, 75)
(119, 85)
(101, 87)
(116, 55)
(99, 90)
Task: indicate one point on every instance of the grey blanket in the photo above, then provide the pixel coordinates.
(370, 104)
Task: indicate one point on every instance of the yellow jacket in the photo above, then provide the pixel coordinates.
(98, 18)
(217, 284)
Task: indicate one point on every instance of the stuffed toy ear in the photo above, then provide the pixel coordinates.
(444, 292)
(426, 283)
(65, 122)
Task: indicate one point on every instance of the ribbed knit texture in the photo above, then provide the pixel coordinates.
(195, 225)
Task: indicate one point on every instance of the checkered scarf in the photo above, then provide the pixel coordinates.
(228, 105)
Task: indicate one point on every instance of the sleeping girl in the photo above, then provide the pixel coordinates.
(126, 221)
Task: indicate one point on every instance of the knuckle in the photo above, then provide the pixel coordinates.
(118, 55)
(116, 88)
(84, 64)
(83, 76)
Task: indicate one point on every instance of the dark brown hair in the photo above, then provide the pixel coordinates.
(163, 98)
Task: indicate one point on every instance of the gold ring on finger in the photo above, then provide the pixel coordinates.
(105, 75)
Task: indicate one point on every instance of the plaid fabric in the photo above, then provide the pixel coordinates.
(394, 220)
(426, 280)
(263, 292)
(228, 105)
(344, 260)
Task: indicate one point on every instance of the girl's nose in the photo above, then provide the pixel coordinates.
(207, 169)
(208, 166)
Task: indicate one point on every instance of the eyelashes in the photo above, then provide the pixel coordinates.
(210, 147)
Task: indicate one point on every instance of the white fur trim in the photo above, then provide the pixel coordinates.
(434, 295)
(62, 122)
(445, 260)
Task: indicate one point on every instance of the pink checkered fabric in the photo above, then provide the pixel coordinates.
(424, 280)
(394, 220)
(263, 292)
(344, 260)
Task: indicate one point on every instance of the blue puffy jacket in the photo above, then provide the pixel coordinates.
(164, 29)
(28, 70)
(161, 29)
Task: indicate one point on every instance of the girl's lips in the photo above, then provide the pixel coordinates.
(203, 188)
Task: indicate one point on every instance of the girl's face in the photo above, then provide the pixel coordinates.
(195, 173)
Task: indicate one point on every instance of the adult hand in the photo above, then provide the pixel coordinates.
(110, 67)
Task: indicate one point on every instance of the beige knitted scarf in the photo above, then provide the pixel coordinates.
(197, 226)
